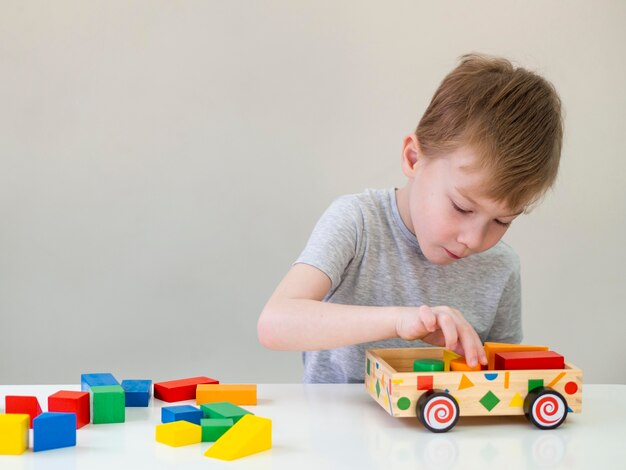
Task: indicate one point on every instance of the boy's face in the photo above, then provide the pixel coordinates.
(442, 204)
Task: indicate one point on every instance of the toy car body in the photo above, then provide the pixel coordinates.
(545, 396)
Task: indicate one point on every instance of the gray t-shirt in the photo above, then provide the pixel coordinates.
(372, 258)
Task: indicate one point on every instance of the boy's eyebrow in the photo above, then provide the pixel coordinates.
(476, 204)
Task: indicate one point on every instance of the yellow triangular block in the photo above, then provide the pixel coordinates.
(465, 382)
(448, 356)
(517, 401)
(249, 435)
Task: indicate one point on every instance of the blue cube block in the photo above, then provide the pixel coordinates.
(53, 431)
(138, 392)
(181, 413)
(96, 380)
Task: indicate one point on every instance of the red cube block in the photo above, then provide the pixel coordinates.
(71, 402)
(527, 360)
(180, 390)
(22, 405)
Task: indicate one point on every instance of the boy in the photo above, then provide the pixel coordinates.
(425, 263)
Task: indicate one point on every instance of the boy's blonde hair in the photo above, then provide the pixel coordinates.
(509, 116)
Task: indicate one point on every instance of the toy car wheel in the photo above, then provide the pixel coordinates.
(438, 411)
(545, 408)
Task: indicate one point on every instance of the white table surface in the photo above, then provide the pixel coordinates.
(341, 427)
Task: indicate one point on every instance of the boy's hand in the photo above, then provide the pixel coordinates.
(442, 326)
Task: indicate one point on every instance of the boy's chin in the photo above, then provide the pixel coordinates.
(440, 258)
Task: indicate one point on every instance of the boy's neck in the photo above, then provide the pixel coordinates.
(402, 200)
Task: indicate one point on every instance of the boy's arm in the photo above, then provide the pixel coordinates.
(296, 319)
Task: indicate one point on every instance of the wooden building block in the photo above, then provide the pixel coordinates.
(96, 380)
(212, 429)
(71, 402)
(178, 433)
(14, 404)
(492, 348)
(169, 414)
(108, 404)
(238, 394)
(460, 365)
(449, 356)
(251, 434)
(137, 392)
(223, 410)
(428, 365)
(527, 360)
(53, 431)
(180, 390)
(14, 433)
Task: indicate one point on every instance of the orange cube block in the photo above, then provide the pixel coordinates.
(460, 364)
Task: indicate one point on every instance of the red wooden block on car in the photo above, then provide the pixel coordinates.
(22, 405)
(180, 390)
(71, 402)
(524, 360)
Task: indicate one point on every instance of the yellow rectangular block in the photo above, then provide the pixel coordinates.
(14, 433)
(492, 348)
(178, 433)
(249, 435)
(237, 394)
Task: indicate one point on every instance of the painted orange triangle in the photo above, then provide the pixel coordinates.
(465, 382)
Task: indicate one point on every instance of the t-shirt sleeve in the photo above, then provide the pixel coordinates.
(335, 239)
(507, 326)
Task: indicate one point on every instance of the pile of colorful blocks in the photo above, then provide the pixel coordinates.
(235, 431)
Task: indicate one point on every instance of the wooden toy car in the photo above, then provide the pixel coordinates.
(545, 396)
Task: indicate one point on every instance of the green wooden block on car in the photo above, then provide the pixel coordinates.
(213, 428)
(108, 404)
(223, 410)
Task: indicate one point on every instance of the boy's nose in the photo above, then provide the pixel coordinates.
(472, 237)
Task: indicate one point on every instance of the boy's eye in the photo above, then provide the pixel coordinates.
(504, 224)
(457, 208)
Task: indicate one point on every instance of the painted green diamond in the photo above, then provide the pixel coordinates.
(489, 401)
(377, 388)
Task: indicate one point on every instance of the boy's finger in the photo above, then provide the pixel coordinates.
(428, 318)
(448, 328)
(473, 348)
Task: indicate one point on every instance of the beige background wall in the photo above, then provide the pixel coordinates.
(162, 164)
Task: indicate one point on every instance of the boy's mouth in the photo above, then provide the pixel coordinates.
(452, 255)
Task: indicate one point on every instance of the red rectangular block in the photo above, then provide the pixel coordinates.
(180, 390)
(71, 402)
(526, 360)
(22, 405)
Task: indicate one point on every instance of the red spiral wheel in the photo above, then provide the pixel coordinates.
(438, 411)
(545, 408)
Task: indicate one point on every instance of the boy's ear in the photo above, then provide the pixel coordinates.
(410, 154)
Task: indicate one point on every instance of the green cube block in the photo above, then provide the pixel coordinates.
(223, 410)
(108, 404)
(428, 365)
(212, 429)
